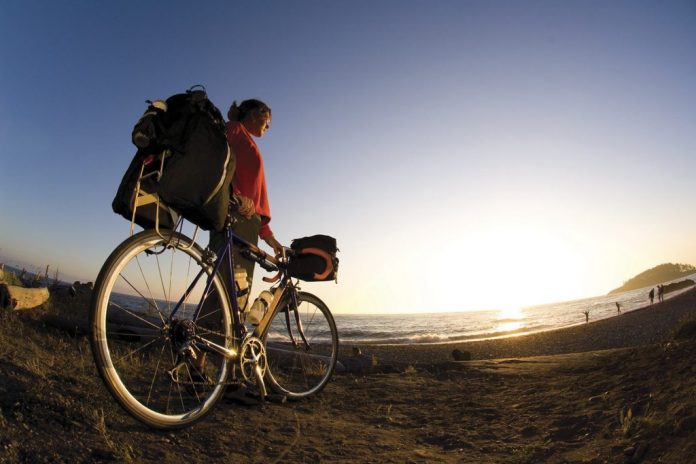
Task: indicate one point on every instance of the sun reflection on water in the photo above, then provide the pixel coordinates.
(509, 319)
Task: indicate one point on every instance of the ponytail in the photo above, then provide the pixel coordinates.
(233, 113)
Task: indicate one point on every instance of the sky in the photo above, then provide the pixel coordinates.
(466, 155)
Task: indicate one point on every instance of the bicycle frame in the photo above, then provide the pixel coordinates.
(143, 198)
(167, 367)
(224, 256)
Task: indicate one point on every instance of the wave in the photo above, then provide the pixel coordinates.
(437, 338)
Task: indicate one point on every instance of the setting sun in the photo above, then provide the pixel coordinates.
(521, 265)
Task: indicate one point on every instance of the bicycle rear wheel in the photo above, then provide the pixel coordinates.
(149, 358)
(297, 367)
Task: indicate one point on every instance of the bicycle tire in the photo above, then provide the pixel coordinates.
(298, 370)
(133, 340)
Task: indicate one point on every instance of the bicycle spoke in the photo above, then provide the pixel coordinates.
(147, 285)
(150, 303)
(131, 336)
(154, 375)
(130, 354)
(131, 313)
(200, 318)
(301, 364)
(137, 344)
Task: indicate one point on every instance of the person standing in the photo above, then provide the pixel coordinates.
(248, 120)
(618, 308)
(660, 293)
(651, 295)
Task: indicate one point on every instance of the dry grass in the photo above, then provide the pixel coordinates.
(585, 407)
(123, 452)
(410, 370)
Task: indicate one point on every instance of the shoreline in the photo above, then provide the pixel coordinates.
(434, 339)
(514, 333)
(639, 327)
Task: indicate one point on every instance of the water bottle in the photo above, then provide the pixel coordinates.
(259, 307)
(145, 131)
(240, 281)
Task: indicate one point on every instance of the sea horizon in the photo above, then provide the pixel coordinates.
(463, 326)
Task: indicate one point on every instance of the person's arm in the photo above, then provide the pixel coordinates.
(273, 243)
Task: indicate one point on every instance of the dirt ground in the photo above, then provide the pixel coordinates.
(615, 405)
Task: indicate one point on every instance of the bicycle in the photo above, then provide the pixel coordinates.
(168, 336)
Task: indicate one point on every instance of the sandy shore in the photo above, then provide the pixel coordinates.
(639, 327)
(619, 390)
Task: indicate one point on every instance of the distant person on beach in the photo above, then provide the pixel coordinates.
(248, 120)
(587, 315)
(651, 295)
(618, 308)
(660, 293)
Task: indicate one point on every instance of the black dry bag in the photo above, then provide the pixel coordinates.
(313, 258)
(198, 170)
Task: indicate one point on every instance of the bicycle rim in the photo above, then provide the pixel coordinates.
(137, 345)
(300, 368)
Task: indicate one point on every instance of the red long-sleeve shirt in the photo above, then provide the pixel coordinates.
(249, 179)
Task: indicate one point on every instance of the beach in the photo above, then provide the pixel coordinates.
(644, 326)
(620, 390)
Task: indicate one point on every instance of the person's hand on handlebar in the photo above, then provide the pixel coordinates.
(273, 243)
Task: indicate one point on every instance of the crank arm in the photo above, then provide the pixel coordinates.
(258, 374)
(214, 347)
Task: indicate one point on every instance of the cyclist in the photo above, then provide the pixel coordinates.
(249, 119)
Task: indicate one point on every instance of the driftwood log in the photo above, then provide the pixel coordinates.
(14, 297)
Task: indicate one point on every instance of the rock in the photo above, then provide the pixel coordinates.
(81, 289)
(360, 363)
(460, 355)
(70, 304)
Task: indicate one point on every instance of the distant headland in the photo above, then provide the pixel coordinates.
(656, 275)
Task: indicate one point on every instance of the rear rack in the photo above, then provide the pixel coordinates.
(142, 198)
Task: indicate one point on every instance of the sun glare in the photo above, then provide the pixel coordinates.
(510, 313)
(520, 266)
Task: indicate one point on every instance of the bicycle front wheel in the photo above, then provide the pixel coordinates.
(148, 344)
(301, 347)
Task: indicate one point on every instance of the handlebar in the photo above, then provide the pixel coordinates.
(266, 261)
(271, 264)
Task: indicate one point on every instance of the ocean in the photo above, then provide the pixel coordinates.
(447, 327)
(478, 325)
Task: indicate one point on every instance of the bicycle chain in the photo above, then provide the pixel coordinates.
(210, 384)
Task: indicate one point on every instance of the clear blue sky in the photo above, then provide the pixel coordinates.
(466, 154)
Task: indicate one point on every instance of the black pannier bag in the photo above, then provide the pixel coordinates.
(313, 258)
(126, 195)
(198, 169)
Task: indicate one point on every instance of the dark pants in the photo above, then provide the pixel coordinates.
(248, 229)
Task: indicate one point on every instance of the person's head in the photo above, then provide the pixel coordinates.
(254, 114)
